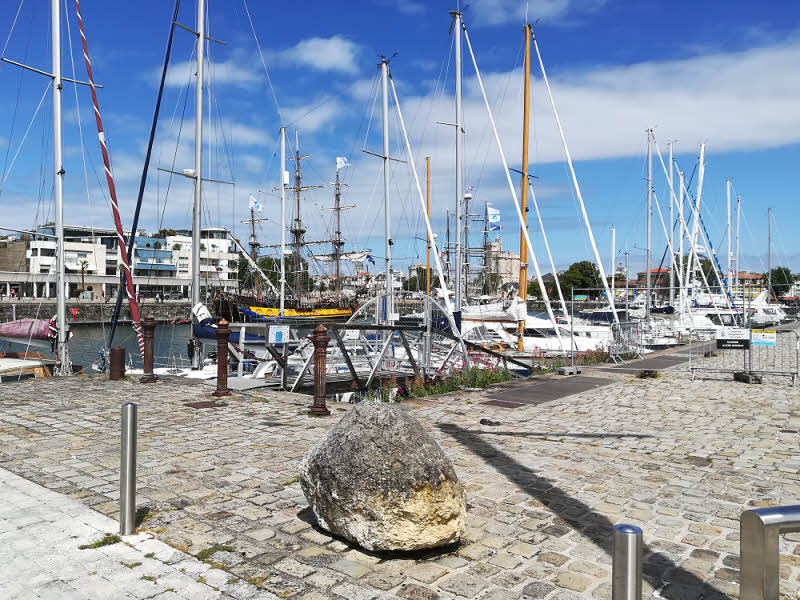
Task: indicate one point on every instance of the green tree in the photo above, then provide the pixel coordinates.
(782, 280)
(418, 281)
(583, 276)
(162, 233)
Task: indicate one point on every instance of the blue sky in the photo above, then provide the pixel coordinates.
(723, 73)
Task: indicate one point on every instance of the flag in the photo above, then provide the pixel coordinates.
(255, 204)
(493, 214)
(341, 162)
(495, 227)
(370, 259)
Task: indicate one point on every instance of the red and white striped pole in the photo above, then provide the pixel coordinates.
(112, 192)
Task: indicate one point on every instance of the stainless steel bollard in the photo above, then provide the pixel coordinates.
(127, 471)
(626, 563)
(759, 529)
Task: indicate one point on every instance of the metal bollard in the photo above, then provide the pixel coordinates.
(127, 471)
(626, 563)
(759, 529)
(320, 340)
(148, 334)
(223, 332)
(116, 368)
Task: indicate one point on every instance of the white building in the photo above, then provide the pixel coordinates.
(92, 259)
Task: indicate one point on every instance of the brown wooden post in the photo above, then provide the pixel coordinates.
(223, 331)
(320, 340)
(116, 368)
(148, 335)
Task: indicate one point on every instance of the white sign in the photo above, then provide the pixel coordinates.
(765, 337)
(278, 334)
(733, 333)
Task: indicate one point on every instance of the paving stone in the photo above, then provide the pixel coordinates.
(461, 585)
(351, 568)
(426, 572)
(573, 581)
(537, 589)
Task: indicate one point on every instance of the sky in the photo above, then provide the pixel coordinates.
(719, 73)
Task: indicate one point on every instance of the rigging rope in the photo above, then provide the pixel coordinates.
(135, 224)
(126, 267)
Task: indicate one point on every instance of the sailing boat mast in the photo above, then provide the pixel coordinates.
(769, 253)
(283, 221)
(58, 182)
(297, 229)
(649, 222)
(457, 31)
(337, 240)
(523, 248)
(428, 237)
(387, 209)
(197, 212)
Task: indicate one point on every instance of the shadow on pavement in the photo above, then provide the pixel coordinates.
(672, 581)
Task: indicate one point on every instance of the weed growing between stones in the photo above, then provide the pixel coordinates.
(472, 377)
(106, 540)
(148, 578)
(208, 552)
(291, 481)
(132, 565)
(649, 374)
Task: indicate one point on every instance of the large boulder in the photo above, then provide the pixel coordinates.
(379, 480)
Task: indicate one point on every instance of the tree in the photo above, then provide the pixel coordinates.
(418, 281)
(162, 233)
(583, 276)
(782, 281)
(84, 265)
(490, 283)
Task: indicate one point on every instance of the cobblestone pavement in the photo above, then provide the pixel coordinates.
(679, 458)
(41, 534)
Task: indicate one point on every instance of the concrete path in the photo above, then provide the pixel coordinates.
(40, 535)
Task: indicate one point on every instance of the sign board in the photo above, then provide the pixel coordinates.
(278, 334)
(765, 337)
(733, 338)
(579, 297)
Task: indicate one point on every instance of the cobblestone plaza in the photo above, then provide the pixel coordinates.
(545, 482)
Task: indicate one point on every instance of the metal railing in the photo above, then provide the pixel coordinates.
(759, 530)
(756, 352)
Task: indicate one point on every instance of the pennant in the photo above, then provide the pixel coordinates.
(370, 259)
(341, 162)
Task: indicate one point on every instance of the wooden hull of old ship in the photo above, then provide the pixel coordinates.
(228, 308)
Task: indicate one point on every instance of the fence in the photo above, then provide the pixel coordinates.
(753, 352)
(627, 341)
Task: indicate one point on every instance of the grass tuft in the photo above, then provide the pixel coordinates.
(106, 540)
(132, 565)
(204, 555)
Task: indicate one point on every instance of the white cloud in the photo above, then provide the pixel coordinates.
(337, 54)
(314, 116)
(227, 72)
(499, 12)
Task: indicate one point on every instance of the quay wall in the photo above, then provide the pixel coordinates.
(91, 311)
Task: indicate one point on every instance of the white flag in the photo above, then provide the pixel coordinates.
(494, 214)
(341, 162)
(255, 204)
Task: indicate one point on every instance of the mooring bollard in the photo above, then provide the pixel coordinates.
(320, 340)
(116, 369)
(626, 563)
(127, 471)
(223, 333)
(759, 530)
(148, 334)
